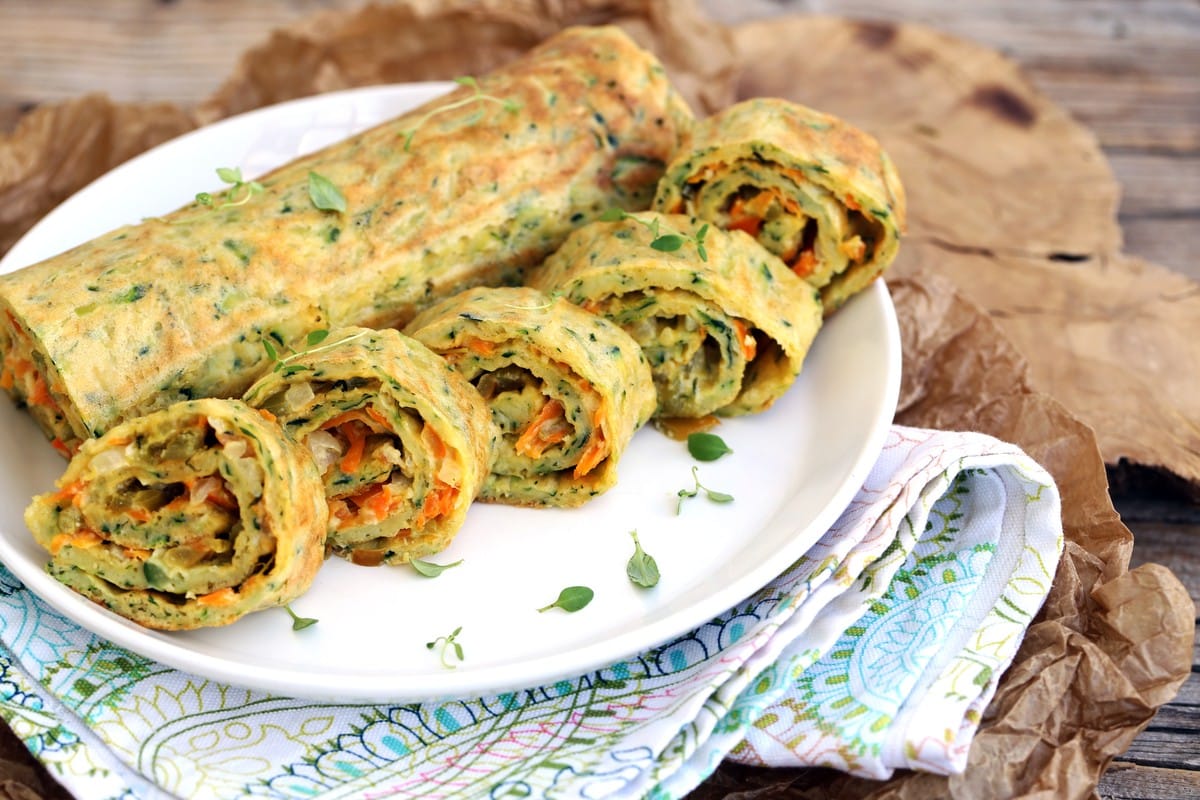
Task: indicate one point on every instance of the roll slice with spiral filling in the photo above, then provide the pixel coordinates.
(567, 389)
(190, 516)
(402, 441)
(814, 190)
(724, 324)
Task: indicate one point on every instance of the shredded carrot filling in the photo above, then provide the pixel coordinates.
(434, 442)
(380, 501)
(222, 497)
(82, 539)
(805, 264)
(746, 339)
(597, 449)
(546, 429)
(267, 415)
(138, 514)
(481, 346)
(355, 433)
(747, 215)
(136, 553)
(221, 597)
(439, 502)
(72, 492)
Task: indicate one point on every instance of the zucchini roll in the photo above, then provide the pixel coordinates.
(191, 516)
(567, 389)
(472, 188)
(402, 441)
(724, 323)
(812, 189)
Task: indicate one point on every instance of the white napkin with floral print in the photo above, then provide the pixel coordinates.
(877, 650)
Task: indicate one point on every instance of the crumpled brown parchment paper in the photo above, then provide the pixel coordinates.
(1013, 253)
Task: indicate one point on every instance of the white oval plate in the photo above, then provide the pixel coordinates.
(793, 470)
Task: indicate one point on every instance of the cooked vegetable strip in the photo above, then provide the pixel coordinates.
(567, 389)
(190, 516)
(364, 232)
(724, 335)
(403, 442)
(812, 189)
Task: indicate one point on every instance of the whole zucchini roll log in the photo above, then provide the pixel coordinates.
(191, 516)
(812, 189)
(402, 441)
(472, 188)
(567, 389)
(724, 324)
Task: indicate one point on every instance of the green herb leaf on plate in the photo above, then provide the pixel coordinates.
(447, 644)
(299, 623)
(641, 569)
(571, 599)
(707, 446)
(711, 494)
(429, 569)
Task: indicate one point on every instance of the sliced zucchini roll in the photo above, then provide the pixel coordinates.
(814, 190)
(190, 516)
(724, 323)
(473, 188)
(567, 389)
(403, 442)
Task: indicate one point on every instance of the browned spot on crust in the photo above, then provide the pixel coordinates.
(1005, 104)
(874, 33)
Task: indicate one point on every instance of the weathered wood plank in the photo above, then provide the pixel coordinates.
(1125, 781)
(1169, 240)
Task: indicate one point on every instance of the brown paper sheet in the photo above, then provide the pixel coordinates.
(1003, 187)
(1014, 201)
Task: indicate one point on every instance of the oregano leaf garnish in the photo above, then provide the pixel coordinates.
(429, 569)
(707, 446)
(571, 599)
(324, 194)
(642, 568)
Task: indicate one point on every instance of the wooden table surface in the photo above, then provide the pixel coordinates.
(1128, 70)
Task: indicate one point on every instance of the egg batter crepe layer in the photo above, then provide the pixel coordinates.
(468, 189)
(567, 389)
(403, 441)
(724, 324)
(190, 516)
(812, 189)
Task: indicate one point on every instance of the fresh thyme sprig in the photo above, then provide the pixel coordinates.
(715, 496)
(509, 105)
(233, 177)
(663, 242)
(312, 344)
(447, 644)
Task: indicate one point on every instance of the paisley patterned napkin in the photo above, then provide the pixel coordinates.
(879, 649)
